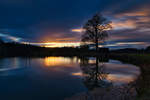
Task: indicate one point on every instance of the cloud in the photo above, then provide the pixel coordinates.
(127, 24)
(50, 21)
(10, 38)
(131, 25)
(79, 30)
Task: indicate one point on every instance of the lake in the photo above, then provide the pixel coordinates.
(61, 78)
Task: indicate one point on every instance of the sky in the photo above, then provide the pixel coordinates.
(58, 23)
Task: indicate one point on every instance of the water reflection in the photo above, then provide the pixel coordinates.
(57, 78)
(94, 73)
(59, 61)
(13, 63)
(100, 82)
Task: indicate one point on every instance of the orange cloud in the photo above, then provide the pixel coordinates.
(131, 19)
(66, 39)
(144, 11)
(77, 74)
(57, 38)
(77, 30)
(128, 24)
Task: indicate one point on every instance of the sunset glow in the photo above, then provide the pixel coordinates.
(75, 50)
(52, 45)
(55, 44)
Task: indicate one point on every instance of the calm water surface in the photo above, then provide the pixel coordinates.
(57, 78)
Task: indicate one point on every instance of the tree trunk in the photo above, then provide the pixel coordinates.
(96, 45)
(96, 39)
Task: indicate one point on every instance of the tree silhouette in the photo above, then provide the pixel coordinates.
(95, 30)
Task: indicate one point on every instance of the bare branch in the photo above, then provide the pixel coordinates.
(96, 30)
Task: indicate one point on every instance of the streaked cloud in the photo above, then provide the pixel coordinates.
(80, 30)
(127, 24)
(10, 38)
(44, 22)
(77, 74)
(55, 44)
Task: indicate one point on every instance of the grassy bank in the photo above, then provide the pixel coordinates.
(143, 61)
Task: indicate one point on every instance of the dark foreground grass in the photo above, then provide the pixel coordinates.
(143, 61)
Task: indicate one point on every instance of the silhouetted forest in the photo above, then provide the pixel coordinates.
(17, 49)
(129, 50)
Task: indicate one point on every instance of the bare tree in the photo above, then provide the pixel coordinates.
(95, 30)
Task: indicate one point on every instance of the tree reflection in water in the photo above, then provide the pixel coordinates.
(94, 72)
(94, 78)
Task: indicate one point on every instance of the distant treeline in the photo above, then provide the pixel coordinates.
(17, 49)
(131, 50)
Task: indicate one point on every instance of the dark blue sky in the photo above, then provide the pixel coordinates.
(53, 20)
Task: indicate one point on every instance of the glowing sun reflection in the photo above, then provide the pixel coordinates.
(58, 61)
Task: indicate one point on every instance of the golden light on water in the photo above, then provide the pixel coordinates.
(58, 61)
(120, 78)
